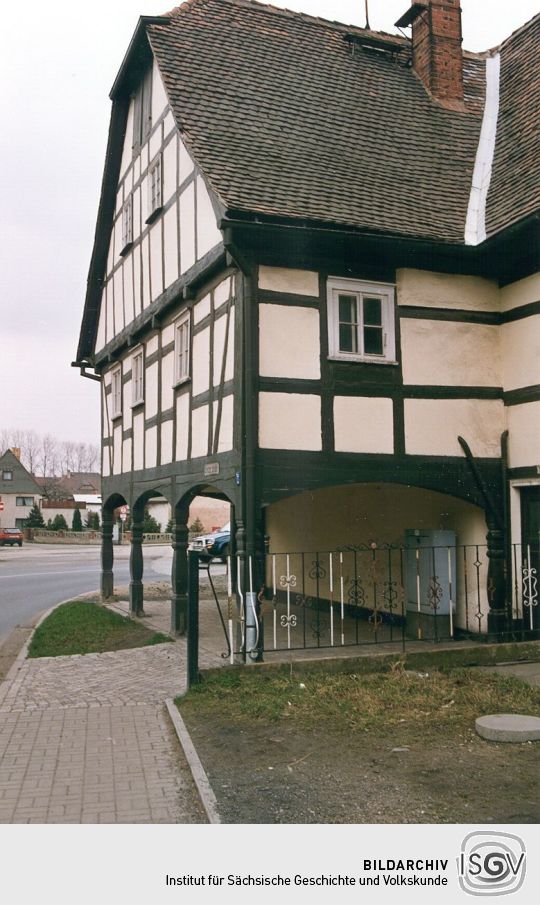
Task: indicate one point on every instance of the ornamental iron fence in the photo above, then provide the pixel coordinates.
(369, 595)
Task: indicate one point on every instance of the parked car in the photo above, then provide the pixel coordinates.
(213, 546)
(11, 536)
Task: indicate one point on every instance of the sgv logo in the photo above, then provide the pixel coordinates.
(491, 864)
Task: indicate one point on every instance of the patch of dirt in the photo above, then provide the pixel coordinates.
(159, 590)
(11, 647)
(268, 772)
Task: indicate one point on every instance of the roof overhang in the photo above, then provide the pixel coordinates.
(135, 55)
(299, 242)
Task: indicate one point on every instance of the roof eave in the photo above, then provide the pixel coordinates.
(139, 37)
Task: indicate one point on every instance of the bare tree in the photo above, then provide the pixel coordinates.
(30, 449)
(49, 460)
(47, 456)
(68, 453)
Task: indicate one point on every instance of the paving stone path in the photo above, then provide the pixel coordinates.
(87, 740)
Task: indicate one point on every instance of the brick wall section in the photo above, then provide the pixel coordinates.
(437, 54)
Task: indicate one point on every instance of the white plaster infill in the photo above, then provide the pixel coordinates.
(475, 227)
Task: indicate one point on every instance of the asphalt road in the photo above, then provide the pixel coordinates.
(35, 577)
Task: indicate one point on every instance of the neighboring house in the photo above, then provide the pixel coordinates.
(71, 485)
(18, 491)
(87, 484)
(314, 271)
(74, 490)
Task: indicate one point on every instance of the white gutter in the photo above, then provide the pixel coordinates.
(475, 227)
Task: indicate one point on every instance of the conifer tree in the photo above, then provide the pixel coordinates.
(35, 518)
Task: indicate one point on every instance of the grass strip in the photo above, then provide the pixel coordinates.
(428, 703)
(82, 627)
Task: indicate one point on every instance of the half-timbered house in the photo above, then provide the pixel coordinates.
(314, 290)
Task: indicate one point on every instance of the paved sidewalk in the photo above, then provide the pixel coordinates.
(87, 740)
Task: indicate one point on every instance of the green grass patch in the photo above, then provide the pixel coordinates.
(433, 703)
(82, 627)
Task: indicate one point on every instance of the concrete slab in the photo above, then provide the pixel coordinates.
(527, 672)
(508, 727)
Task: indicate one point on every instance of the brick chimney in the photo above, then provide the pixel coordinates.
(16, 450)
(436, 48)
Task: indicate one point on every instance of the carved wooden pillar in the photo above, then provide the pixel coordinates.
(496, 577)
(179, 577)
(136, 565)
(107, 556)
(496, 543)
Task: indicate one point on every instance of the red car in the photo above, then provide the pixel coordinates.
(10, 536)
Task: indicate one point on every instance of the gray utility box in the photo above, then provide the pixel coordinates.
(430, 583)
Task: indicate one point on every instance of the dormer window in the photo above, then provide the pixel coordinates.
(361, 321)
(142, 111)
(155, 203)
(127, 225)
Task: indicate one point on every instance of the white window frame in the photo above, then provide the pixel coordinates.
(155, 188)
(360, 288)
(127, 224)
(23, 501)
(182, 350)
(137, 377)
(116, 392)
(7, 474)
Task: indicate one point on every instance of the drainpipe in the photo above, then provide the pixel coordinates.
(250, 400)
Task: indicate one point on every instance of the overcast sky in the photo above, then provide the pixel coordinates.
(58, 62)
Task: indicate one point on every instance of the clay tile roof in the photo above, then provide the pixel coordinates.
(515, 184)
(286, 121)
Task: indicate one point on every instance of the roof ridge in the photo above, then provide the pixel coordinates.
(294, 14)
(518, 31)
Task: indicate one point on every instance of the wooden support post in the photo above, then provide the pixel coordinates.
(193, 676)
(496, 546)
(179, 578)
(107, 556)
(136, 565)
(497, 615)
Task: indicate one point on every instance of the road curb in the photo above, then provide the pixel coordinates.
(202, 783)
(21, 656)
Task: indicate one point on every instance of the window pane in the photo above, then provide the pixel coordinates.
(373, 340)
(348, 323)
(182, 350)
(347, 309)
(372, 312)
(348, 334)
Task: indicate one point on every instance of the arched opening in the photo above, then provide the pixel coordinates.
(391, 554)
(136, 561)
(180, 544)
(112, 503)
(380, 513)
